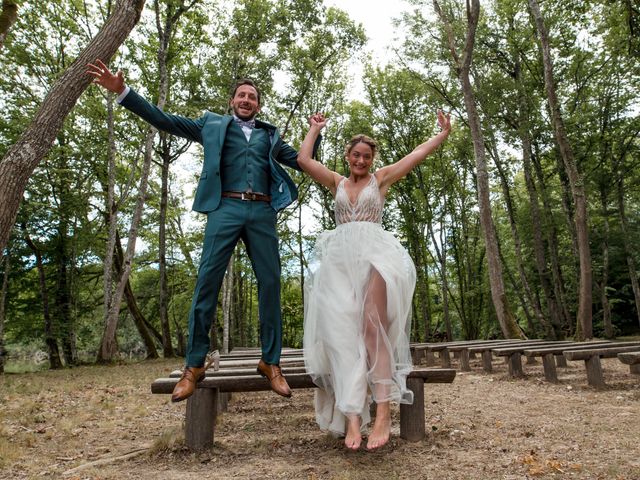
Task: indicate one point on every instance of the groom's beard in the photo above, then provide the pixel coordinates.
(245, 117)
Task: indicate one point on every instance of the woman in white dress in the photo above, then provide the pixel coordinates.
(358, 294)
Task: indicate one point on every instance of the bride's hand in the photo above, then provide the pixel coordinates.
(317, 120)
(444, 121)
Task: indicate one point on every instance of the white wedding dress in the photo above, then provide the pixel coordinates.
(357, 313)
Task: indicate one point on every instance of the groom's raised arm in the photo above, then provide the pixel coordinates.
(173, 124)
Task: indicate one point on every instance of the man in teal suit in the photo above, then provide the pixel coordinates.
(241, 188)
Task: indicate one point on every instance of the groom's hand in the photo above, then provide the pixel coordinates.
(103, 77)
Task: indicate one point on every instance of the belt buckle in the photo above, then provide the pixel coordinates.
(248, 196)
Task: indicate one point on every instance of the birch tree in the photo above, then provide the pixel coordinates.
(462, 66)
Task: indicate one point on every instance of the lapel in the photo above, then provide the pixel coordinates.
(271, 130)
(224, 124)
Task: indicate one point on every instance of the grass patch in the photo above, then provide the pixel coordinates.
(170, 440)
(9, 452)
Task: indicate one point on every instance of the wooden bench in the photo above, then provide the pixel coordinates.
(202, 406)
(465, 353)
(253, 362)
(513, 354)
(487, 351)
(553, 357)
(632, 359)
(592, 356)
(442, 348)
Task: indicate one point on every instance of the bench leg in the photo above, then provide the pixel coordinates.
(464, 361)
(549, 365)
(416, 356)
(561, 361)
(412, 416)
(515, 365)
(223, 401)
(200, 419)
(594, 372)
(431, 358)
(487, 361)
(446, 358)
(634, 369)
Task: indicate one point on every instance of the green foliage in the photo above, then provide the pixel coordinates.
(300, 52)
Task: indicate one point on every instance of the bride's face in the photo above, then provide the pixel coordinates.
(360, 158)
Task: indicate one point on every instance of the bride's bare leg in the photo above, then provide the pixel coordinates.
(354, 438)
(379, 357)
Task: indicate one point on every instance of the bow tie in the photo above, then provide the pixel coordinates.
(245, 123)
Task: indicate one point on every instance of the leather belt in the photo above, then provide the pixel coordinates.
(248, 196)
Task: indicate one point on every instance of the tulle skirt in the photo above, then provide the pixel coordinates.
(357, 322)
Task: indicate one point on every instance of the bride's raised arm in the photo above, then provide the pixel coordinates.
(390, 174)
(315, 169)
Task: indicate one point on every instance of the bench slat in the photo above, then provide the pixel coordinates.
(603, 352)
(540, 351)
(629, 358)
(256, 383)
(506, 351)
(231, 372)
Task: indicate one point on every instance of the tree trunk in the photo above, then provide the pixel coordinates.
(529, 299)
(8, 16)
(552, 242)
(50, 339)
(108, 345)
(62, 296)
(227, 295)
(508, 325)
(112, 212)
(165, 35)
(167, 347)
(3, 304)
(538, 244)
(606, 306)
(631, 264)
(300, 251)
(575, 180)
(24, 156)
(139, 320)
(445, 276)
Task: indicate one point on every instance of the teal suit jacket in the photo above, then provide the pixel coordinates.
(210, 131)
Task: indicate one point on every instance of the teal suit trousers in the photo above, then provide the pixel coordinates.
(255, 223)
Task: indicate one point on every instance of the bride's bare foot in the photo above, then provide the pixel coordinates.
(381, 431)
(354, 438)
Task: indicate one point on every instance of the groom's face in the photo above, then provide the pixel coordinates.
(245, 102)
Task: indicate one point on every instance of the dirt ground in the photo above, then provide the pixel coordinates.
(103, 423)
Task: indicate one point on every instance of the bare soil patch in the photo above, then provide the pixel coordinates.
(481, 426)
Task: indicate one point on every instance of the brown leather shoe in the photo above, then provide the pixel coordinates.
(187, 383)
(274, 375)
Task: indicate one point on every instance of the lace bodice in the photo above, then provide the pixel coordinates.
(367, 207)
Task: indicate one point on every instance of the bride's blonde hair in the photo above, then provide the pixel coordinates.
(361, 138)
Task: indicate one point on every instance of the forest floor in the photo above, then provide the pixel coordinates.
(103, 423)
